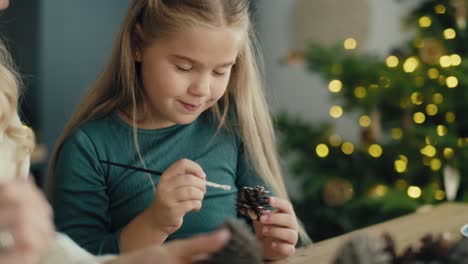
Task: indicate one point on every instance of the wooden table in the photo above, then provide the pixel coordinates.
(406, 230)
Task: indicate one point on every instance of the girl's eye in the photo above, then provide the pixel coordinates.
(219, 73)
(185, 68)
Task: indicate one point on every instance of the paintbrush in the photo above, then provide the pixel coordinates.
(158, 173)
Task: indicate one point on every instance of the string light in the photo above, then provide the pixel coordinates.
(437, 98)
(414, 192)
(445, 61)
(347, 148)
(440, 9)
(455, 59)
(435, 164)
(439, 195)
(448, 153)
(401, 184)
(433, 73)
(431, 109)
(425, 22)
(397, 133)
(429, 151)
(400, 165)
(365, 121)
(335, 140)
(335, 86)
(350, 44)
(322, 150)
(360, 92)
(411, 64)
(378, 191)
(451, 82)
(450, 117)
(336, 111)
(392, 61)
(375, 150)
(441, 130)
(416, 98)
(450, 33)
(419, 117)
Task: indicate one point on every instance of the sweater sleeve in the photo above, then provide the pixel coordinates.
(80, 199)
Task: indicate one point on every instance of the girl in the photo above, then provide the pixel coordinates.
(182, 95)
(27, 234)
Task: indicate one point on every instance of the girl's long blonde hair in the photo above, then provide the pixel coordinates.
(10, 128)
(118, 87)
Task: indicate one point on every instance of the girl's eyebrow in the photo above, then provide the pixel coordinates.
(195, 62)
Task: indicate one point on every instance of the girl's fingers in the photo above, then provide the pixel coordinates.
(188, 193)
(192, 205)
(283, 234)
(283, 249)
(282, 205)
(187, 180)
(279, 219)
(185, 166)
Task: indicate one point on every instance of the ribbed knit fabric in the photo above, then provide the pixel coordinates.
(93, 201)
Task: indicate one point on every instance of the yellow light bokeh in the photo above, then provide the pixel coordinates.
(448, 153)
(455, 59)
(375, 150)
(360, 92)
(445, 61)
(401, 184)
(347, 148)
(414, 192)
(425, 21)
(439, 195)
(335, 140)
(432, 109)
(411, 64)
(378, 191)
(365, 121)
(322, 150)
(335, 86)
(350, 44)
(451, 82)
(441, 130)
(433, 73)
(400, 166)
(437, 98)
(397, 133)
(440, 9)
(429, 151)
(392, 61)
(416, 98)
(450, 33)
(336, 111)
(450, 117)
(435, 164)
(419, 117)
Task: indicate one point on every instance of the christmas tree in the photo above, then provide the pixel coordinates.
(412, 107)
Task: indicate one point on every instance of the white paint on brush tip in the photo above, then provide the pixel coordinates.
(219, 186)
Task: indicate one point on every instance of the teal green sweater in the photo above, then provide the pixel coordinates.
(93, 201)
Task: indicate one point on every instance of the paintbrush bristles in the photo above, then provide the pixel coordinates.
(218, 186)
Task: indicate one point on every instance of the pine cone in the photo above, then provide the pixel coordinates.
(241, 248)
(459, 253)
(364, 250)
(434, 250)
(252, 202)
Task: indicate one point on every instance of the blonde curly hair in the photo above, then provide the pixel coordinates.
(10, 127)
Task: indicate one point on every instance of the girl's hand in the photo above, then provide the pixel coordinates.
(180, 190)
(26, 217)
(277, 230)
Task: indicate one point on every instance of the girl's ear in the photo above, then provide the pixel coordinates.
(138, 38)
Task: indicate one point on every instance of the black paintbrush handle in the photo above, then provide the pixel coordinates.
(157, 173)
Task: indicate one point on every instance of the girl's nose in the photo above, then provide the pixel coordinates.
(201, 87)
